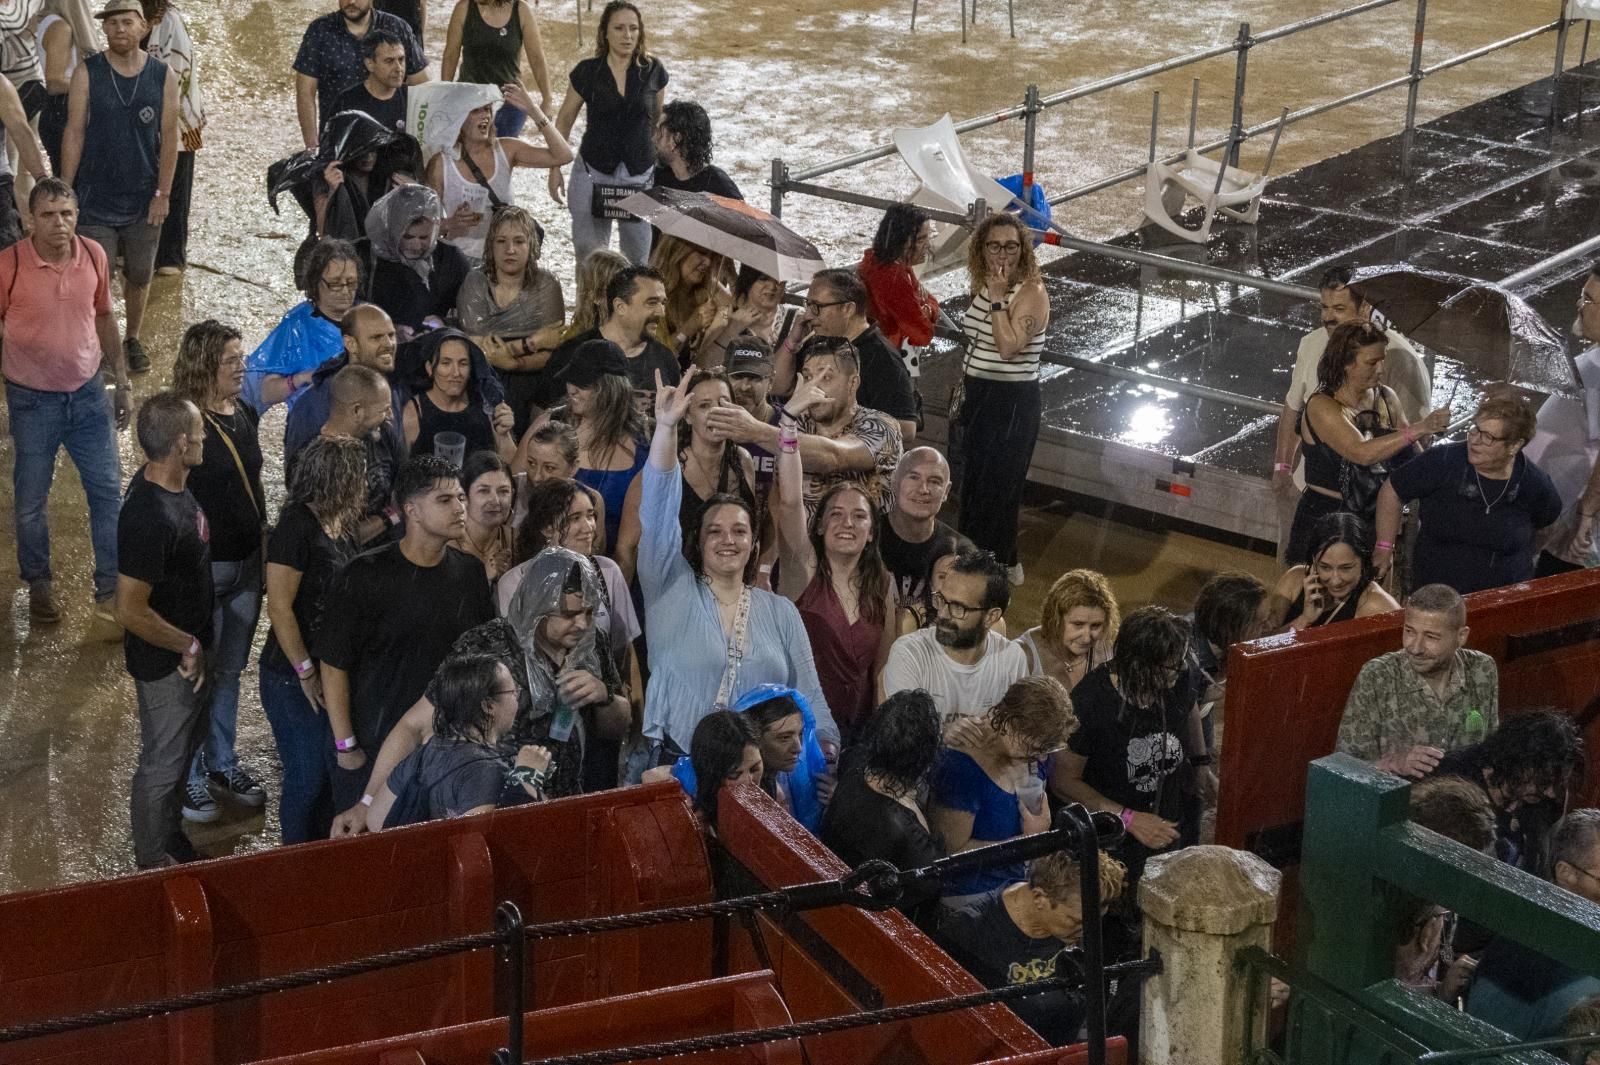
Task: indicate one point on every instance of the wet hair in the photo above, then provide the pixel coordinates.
(1226, 607)
(683, 299)
(325, 253)
(164, 417)
(624, 283)
(417, 476)
(616, 419)
(1057, 876)
(1439, 599)
(974, 561)
(1075, 588)
(1038, 711)
(1027, 268)
(688, 122)
(594, 278)
(1342, 528)
(1519, 419)
(466, 349)
(330, 479)
(717, 749)
(838, 349)
(691, 544)
(940, 547)
(897, 232)
(640, 55)
(1575, 839)
(747, 279)
(558, 434)
(1152, 639)
(1344, 344)
(479, 463)
(872, 579)
(1456, 809)
(845, 285)
(194, 372)
(730, 471)
(1334, 278)
(771, 711)
(462, 691)
(376, 39)
(901, 740)
(548, 503)
(1581, 1020)
(355, 382)
(50, 188)
(1541, 747)
(510, 216)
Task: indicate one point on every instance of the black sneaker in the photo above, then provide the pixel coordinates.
(198, 805)
(239, 786)
(138, 358)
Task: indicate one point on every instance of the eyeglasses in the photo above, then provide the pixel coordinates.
(956, 610)
(813, 307)
(341, 286)
(995, 247)
(1478, 434)
(1592, 876)
(1584, 300)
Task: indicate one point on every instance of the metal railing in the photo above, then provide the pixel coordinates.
(875, 885)
(801, 181)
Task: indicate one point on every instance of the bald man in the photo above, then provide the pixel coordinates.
(369, 340)
(914, 537)
(362, 406)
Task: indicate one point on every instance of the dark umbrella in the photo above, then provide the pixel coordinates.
(743, 233)
(1477, 323)
(348, 135)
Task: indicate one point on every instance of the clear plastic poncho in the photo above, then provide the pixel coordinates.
(538, 596)
(395, 213)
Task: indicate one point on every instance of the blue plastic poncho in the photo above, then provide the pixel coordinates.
(302, 341)
(800, 782)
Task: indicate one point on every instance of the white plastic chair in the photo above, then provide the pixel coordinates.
(1219, 189)
(947, 182)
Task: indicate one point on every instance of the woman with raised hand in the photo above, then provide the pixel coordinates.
(711, 634)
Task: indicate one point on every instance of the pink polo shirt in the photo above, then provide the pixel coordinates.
(49, 311)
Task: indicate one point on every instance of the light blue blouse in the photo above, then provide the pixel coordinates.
(688, 647)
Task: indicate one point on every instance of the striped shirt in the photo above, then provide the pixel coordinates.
(984, 360)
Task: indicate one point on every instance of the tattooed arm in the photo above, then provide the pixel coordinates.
(1025, 318)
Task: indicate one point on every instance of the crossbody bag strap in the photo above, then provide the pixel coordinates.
(736, 645)
(477, 175)
(238, 462)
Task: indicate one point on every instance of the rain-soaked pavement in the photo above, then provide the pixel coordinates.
(811, 82)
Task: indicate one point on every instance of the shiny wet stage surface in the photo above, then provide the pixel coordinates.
(810, 82)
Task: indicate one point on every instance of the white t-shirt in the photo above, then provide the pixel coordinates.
(917, 660)
(1403, 371)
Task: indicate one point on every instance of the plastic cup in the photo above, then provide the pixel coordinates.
(452, 447)
(1031, 791)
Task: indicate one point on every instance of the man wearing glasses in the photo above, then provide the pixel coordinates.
(960, 660)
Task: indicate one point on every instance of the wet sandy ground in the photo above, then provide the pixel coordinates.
(809, 82)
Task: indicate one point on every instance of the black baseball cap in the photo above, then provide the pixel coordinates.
(592, 361)
(749, 355)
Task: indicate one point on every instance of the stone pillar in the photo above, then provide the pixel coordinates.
(1201, 906)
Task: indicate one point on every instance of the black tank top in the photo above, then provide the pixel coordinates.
(471, 423)
(1322, 461)
(731, 479)
(491, 56)
(1343, 612)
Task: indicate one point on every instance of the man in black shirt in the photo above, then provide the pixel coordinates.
(683, 152)
(383, 94)
(329, 60)
(363, 409)
(414, 12)
(913, 536)
(1017, 934)
(391, 616)
(163, 602)
(636, 301)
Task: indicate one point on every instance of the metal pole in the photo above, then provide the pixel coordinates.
(1194, 109)
(510, 973)
(1583, 52)
(578, 6)
(964, 18)
(913, 16)
(1544, 266)
(780, 180)
(1030, 125)
(1155, 121)
(1240, 68)
(1011, 18)
(1093, 945)
(1562, 25)
(1413, 90)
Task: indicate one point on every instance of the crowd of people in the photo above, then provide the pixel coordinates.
(687, 531)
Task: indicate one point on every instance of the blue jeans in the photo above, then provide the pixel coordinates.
(233, 624)
(82, 421)
(589, 232)
(508, 121)
(305, 746)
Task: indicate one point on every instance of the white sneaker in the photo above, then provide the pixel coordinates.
(1014, 574)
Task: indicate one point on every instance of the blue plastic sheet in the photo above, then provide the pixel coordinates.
(1038, 205)
(301, 341)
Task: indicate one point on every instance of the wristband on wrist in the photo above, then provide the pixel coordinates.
(366, 800)
(303, 669)
(1127, 817)
(1409, 435)
(346, 744)
(194, 647)
(1280, 467)
(391, 516)
(1383, 545)
(764, 568)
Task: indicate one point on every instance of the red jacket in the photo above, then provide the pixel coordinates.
(897, 302)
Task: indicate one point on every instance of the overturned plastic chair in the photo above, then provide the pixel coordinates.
(1220, 189)
(948, 182)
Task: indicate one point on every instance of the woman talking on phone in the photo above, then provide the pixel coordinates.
(1337, 581)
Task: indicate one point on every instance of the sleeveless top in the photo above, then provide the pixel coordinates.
(1343, 612)
(984, 360)
(1322, 461)
(613, 488)
(122, 144)
(459, 190)
(491, 56)
(689, 506)
(471, 423)
(845, 653)
(72, 53)
(1035, 658)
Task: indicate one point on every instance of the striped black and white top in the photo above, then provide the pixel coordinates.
(984, 360)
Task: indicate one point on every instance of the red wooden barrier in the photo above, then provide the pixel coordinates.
(881, 951)
(1286, 694)
(710, 1007)
(215, 923)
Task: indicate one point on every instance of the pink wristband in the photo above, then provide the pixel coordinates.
(1280, 467)
(1127, 817)
(194, 647)
(1409, 435)
(1384, 545)
(346, 744)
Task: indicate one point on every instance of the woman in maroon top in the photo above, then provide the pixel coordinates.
(835, 576)
(903, 310)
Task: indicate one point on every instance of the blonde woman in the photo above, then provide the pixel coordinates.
(595, 272)
(1077, 626)
(999, 415)
(699, 305)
